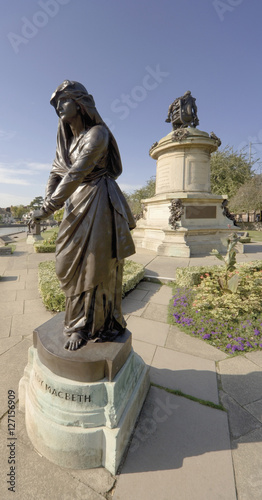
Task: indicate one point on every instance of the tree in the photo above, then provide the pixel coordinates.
(18, 211)
(135, 199)
(36, 203)
(229, 171)
(248, 197)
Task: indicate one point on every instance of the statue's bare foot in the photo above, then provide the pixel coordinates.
(75, 341)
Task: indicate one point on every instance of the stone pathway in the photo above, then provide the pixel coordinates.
(181, 449)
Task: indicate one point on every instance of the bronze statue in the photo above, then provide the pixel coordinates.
(94, 236)
(183, 112)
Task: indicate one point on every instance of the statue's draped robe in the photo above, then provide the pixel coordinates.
(94, 236)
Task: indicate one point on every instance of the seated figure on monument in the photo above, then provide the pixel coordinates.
(183, 112)
(94, 236)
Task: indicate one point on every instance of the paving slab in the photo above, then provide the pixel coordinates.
(7, 309)
(134, 307)
(12, 365)
(34, 306)
(241, 379)
(165, 267)
(20, 272)
(204, 260)
(189, 374)
(145, 350)
(241, 420)
(41, 479)
(8, 343)
(5, 327)
(163, 296)
(147, 330)
(255, 409)
(28, 294)
(156, 312)
(247, 459)
(143, 256)
(180, 450)
(255, 357)
(7, 296)
(7, 284)
(149, 286)
(99, 480)
(32, 281)
(137, 294)
(24, 324)
(182, 342)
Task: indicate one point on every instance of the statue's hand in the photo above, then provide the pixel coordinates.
(38, 215)
(168, 120)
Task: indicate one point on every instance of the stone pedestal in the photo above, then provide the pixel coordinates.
(183, 173)
(84, 420)
(33, 238)
(34, 233)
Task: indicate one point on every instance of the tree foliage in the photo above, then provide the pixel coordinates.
(248, 197)
(229, 171)
(37, 202)
(18, 211)
(135, 199)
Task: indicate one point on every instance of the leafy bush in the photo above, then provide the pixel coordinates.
(133, 274)
(190, 276)
(48, 244)
(54, 298)
(230, 321)
(44, 248)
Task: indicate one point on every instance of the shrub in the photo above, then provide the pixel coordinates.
(230, 320)
(44, 248)
(48, 244)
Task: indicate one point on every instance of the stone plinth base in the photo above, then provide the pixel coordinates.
(182, 242)
(91, 363)
(77, 424)
(32, 238)
(201, 228)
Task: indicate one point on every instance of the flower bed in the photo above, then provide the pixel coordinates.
(228, 320)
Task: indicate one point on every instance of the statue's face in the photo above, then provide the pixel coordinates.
(66, 109)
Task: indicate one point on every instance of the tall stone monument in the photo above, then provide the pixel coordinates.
(183, 218)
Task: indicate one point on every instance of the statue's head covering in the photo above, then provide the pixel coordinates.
(91, 117)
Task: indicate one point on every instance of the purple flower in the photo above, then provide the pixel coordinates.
(206, 336)
(228, 346)
(256, 331)
(241, 347)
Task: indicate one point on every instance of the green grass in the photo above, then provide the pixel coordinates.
(54, 298)
(255, 235)
(49, 233)
(177, 392)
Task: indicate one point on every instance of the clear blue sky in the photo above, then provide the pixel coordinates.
(135, 57)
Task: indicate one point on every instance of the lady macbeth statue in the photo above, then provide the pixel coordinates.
(94, 236)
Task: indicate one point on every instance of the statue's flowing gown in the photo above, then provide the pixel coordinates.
(94, 236)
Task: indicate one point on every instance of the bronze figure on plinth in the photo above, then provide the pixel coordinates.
(94, 236)
(183, 112)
